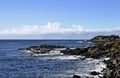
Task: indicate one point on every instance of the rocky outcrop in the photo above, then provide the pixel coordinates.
(76, 51)
(113, 66)
(50, 47)
(102, 38)
(41, 49)
(108, 46)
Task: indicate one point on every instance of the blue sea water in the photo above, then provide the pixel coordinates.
(19, 64)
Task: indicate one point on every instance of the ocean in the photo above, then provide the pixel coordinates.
(19, 64)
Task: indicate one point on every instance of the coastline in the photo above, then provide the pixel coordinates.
(106, 47)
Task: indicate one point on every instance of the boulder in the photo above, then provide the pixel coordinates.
(94, 73)
(76, 51)
(76, 76)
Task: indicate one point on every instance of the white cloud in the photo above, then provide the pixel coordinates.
(50, 28)
(53, 30)
(103, 30)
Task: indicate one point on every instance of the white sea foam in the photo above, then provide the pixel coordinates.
(67, 57)
(55, 54)
(59, 49)
(84, 42)
(99, 67)
(72, 48)
(27, 51)
(106, 58)
(79, 41)
(92, 65)
(52, 52)
(58, 57)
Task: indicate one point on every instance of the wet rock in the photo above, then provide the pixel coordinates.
(41, 49)
(94, 73)
(76, 76)
(76, 51)
(48, 47)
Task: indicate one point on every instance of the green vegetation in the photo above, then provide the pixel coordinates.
(105, 38)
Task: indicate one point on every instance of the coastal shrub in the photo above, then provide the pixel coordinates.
(105, 38)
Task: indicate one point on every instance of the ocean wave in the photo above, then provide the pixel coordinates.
(79, 42)
(69, 57)
(60, 57)
(54, 54)
(84, 42)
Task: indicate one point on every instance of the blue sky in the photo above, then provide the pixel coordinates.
(90, 16)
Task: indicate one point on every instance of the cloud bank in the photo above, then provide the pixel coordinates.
(55, 31)
(50, 28)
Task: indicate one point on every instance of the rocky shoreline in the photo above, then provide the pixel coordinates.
(106, 46)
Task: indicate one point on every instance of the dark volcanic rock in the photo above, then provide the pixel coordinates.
(76, 51)
(94, 73)
(113, 68)
(50, 47)
(109, 46)
(41, 49)
(76, 76)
